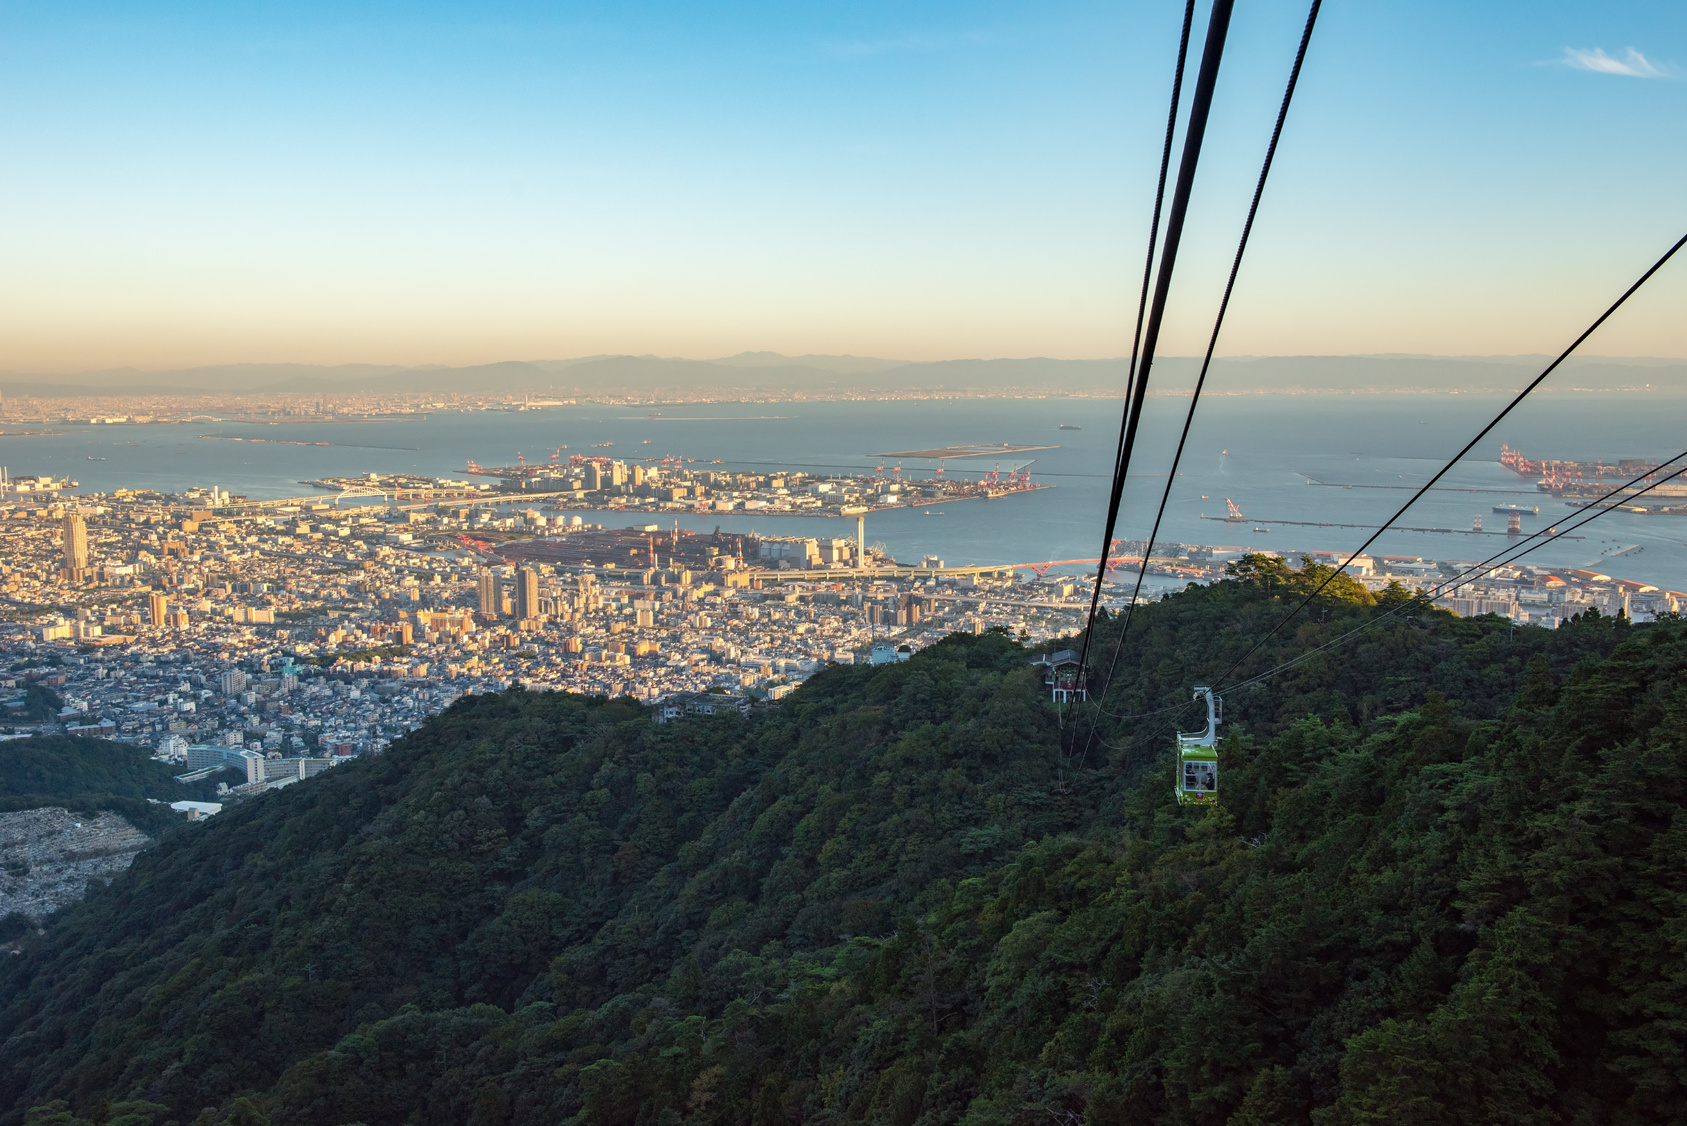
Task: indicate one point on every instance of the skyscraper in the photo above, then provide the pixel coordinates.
(488, 593)
(526, 593)
(75, 546)
(158, 609)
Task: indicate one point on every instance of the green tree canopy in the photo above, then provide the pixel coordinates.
(1441, 886)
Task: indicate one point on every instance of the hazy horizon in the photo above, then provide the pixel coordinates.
(821, 376)
(752, 358)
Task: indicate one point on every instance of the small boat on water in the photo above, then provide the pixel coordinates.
(1069, 426)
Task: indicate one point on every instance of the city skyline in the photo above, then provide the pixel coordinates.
(430, 185)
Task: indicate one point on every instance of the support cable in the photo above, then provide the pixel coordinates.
(1480, 570)
(1212, 52)
(1444, 470)
(1154, 222)
(1212, 344)
(1147, 281)
(1464, 578)
(1142, 301)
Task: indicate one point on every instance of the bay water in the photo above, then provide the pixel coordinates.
(1259, 451)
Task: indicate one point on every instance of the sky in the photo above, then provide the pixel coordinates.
(411, 183)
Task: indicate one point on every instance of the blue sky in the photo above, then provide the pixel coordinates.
(196, 183)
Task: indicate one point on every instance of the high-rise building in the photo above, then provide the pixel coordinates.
(158, 609)
(594, 477)
(638, 475)
(488, 593)
(75, 546)
(617, 473)
(526, 593)
(231, 681)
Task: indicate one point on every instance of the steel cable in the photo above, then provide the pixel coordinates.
(1142, 297)
(1444, 470)
(1212, 343)
(1492, 563)
(1469, 575)
(1212, 53)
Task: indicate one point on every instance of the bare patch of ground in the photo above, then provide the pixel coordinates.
(47, 857)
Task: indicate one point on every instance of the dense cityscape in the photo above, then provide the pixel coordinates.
(276, 638)
(323, 632)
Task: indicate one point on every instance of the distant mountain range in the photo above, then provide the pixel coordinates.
(771, 372)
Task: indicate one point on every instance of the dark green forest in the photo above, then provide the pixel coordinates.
(87, 775)
(40, 704)
(1445, 885)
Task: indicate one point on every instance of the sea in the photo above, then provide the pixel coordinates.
(1331, 460)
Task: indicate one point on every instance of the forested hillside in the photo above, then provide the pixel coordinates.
(1445, 885)
(93, 774)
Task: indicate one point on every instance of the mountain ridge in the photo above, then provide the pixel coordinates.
(772, 372)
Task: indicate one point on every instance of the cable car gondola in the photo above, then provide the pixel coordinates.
(1197, 757)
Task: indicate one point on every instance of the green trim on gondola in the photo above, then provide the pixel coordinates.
(1197, 775)
(1196, 782)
